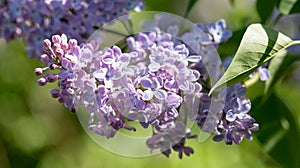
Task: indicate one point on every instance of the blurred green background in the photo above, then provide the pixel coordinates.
(36, 131)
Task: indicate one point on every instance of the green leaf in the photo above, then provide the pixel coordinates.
(278, 67)
(265, 9)
(279, 132)
(288, 6)
(259, 45)
(189, 7)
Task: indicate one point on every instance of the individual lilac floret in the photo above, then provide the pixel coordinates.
(216, 31)
(35, 20)
(206, 34)
(263, 72)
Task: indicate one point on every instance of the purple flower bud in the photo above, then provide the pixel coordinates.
(50, 77)
(42, 81)
(44, 58)
(56, 39)
(47, 44)
(72, 43)
(38, 71)
(55, 93)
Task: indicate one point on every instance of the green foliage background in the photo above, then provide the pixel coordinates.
(36, 131)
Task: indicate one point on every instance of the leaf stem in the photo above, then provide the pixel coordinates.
(248, 83)
(295, 42)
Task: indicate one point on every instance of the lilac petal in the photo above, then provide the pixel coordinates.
(218, 138)
(187, 87)
(236, 103)
(125, 57)
(131, 43)
(174, 100)
(66, 63)
(108, 59)
(137, 116)
(148, 95)
(140, 104)
(264, 74)
(198, 87)
(144, 124)
(160, 94)
(226, 35)
(72, 58)
(116, 50)
(143, 39)
(154, 67)
(100, 74)
(237, 138)
(246, 106)
(146, 83)
(108, 83)
(230, 116)
(196, 74)
(76, 51)
(170, 84)
(63, 74)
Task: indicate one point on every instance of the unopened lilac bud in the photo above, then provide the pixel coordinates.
(55, 93)
(61, 99)
(50, 77)
(56, 39)
(44, 58)
(72, 43)
(38, 71)
(55, 46)
(54, 66)
(42, 81)
(47, 44)
(59, 53)
(64, 46)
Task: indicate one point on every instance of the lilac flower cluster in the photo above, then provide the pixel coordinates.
(159, 83)
(35, 20)
(147, 84)
(236, 123)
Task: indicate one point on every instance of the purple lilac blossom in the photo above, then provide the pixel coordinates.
(148, 84)
(152, 83)
(35, 20)
(215, 33)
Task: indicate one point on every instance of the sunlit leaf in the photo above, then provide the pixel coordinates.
(259, 45)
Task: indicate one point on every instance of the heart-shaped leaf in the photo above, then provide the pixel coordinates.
(259, 45)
